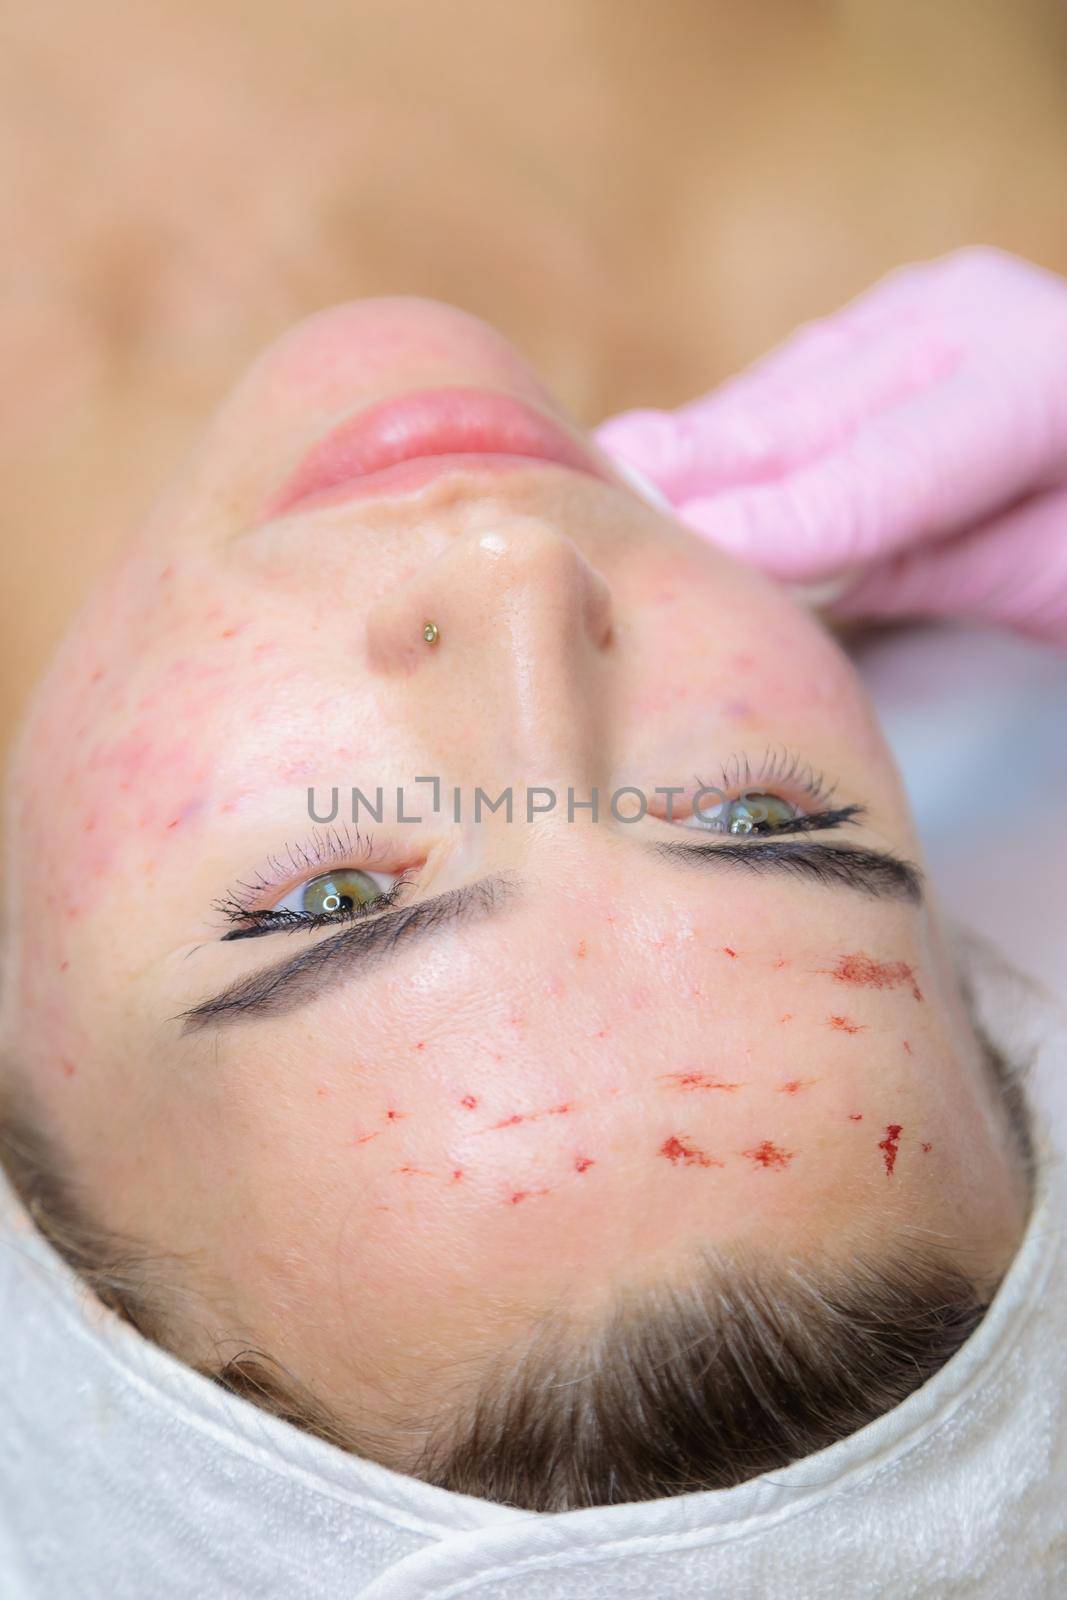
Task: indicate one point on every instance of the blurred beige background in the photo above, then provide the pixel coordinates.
(644, 194)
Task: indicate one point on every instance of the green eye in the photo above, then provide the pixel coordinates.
(756, 811)
(337, 892)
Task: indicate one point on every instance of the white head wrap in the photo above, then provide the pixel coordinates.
(124, 1474)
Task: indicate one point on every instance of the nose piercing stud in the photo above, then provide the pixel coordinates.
(430, 632)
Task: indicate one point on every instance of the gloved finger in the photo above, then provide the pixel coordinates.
(1013, 570)
(948, 457)
(797, 402)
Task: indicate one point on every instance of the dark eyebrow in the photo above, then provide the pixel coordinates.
(296, 982)
(878, 873)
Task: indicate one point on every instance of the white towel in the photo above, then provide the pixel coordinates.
(123, 1474)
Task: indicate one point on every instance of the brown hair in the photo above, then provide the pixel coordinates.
(740, 1369)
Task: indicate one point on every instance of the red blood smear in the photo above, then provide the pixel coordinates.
(366, 1138)
(419, 1172)
(469, 1101)
(795, 1085)
(696, 1080)
(888, 1147)
(769, 1155)
(680, 1149)
(525, 1194)
(583, 1163)
(867, 973)
(510, 1122)
(845, 1025)
(560, 1111)
(855, 1116)
(395, 1116)
(728, 952)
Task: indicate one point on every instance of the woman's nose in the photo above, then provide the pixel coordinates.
(501, 641)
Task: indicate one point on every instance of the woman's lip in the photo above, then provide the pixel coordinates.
(436, 428)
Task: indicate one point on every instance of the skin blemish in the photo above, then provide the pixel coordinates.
(581, 951)
(780, 963)
(469, 1102)
(414, 1172)
(560, 1110)
(787, 1016)
(457, 1176)
(421, 1045)
(925, 1148)
(728, 952)
(855, 1116)
(583, 1163)
(845, 1025)
(866, 973)
(68, 1068)
(321, 1091)
(795, 1085)
(680, 1150)
(696, 1080)
(888, 1147)
(365, 1138)
(395, 1116)
(770, 1156)
(907, 1048)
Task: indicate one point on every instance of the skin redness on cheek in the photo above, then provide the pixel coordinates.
(680, 1150)
(862, 971)
(769, 1156)
(696, 1080)
(845, 1024)
(888, 1146)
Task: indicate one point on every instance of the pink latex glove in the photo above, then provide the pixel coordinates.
(913, 445)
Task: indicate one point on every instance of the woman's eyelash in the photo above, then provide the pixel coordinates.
(777, 765)
(253, 924)
(325, 846)
(813, 822)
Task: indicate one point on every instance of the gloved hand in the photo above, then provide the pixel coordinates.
(914, 445)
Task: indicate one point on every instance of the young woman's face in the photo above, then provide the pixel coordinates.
(565, 1051)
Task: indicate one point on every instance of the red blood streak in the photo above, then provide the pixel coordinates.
(845, 1024)
(583, 1163)
(366, 1138)
(469, 1101)
(525, 1194)
(395, 1116)
(696, 1080)
(888, 1147)
(561, 1110)
(681, 1149)
(863, 971)
(769, 1155)
(855, 1116)
(728, 952)
(511, 1122)
(418, 1172)
(795, 1085)
(926, 1148)
(907, 1048)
